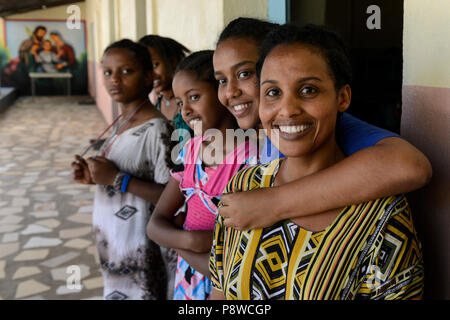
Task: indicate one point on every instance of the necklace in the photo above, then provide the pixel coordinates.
(119, 129)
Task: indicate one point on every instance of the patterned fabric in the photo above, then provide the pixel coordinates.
(370, 251)
(202, 187)
(191, 284)
(132, 265)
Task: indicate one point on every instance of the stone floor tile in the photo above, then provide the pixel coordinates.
(32, 255)
(8, 211)
(74, 233)
(38, 164)
(11, 219)
(44, 214)
(10, 228)
(39, 189)
(41, 242)
(35, 229)
(10, 237)
(44, 206)
(50, 180)
(57, 261)
(43, 196)
(93, 250)
(84, 218)
(86, 209)
(30, 287)
(8, 249)
(16, 192)
(71, 192)
(93, 283)
(20, 202)
(28, 180)
(81, 203)
(2, 269)
(78, 243)
(24, 272)
(49, 223)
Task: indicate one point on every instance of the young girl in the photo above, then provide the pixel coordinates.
(200, 178)
(166, 54)
(374, 154)
(363, 251)
(130, 167)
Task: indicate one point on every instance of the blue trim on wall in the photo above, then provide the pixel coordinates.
(278, 11)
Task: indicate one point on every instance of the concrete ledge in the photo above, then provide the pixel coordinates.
(7, 97)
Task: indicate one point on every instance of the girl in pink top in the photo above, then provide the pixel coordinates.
(204, 167)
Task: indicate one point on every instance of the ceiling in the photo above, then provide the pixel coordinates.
(10, 7)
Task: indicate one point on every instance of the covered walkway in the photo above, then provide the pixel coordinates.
(45, 218)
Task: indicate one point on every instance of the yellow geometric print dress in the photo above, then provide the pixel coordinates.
(370, 251)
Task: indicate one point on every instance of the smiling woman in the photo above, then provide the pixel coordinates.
(362, 251)
(301, 101)
(199, 179)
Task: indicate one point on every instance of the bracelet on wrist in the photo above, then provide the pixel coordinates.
(118, 180)
(125, 181)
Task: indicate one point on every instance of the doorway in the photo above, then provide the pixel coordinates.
(375, 51)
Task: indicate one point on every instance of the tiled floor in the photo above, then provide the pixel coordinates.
(45, 218)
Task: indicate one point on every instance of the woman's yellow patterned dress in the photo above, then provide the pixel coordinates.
(370, 251)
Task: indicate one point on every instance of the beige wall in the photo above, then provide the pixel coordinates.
(426, 123)
(198, 23)
(427, 43)
(233, 9)
(194, 23)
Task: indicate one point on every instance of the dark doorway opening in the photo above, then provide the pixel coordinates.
(376, 54)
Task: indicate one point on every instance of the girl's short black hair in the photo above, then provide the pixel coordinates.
(140, 52)
(251, 28)
(327, 42)
(201, 63)
(170, 50)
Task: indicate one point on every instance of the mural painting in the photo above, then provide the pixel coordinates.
(43, 46)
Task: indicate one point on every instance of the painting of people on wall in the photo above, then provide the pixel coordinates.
(43, 46)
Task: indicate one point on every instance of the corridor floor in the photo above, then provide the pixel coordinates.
(46, 242)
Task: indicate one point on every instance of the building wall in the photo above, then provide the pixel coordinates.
(426, 123)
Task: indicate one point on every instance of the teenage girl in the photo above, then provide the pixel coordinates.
(200, 178)
(373, 154)
(166, 54)
(362, 251)
(130, 167)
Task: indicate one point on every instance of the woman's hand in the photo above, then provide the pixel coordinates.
(249, 210)
(81, 173)
(103, 171)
